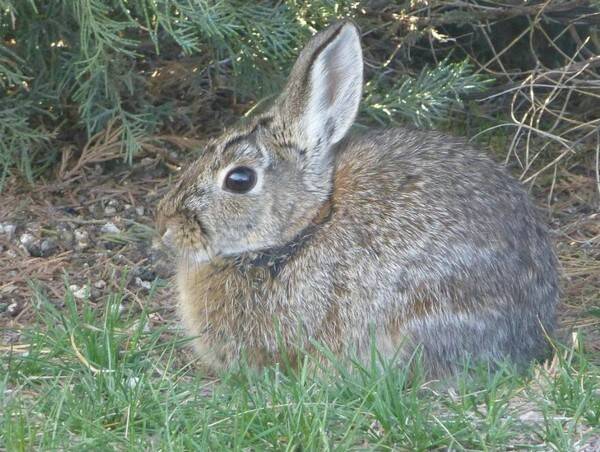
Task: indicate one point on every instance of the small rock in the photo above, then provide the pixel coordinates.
(531, 416)
(80, 293)
(110, 228)
(143, 284)
(30, 244)
(120, 258)
(111, 208)
(139, 211)
(34, 250)
(14, 309)
(8, 229)
(11, 253)
(100, 284)
(82, 238)
(26, 239)
(145, 273)
(66, 237)
(81, 234)
(48, 247)
(129, 211)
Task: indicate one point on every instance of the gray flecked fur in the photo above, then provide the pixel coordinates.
(412, 236)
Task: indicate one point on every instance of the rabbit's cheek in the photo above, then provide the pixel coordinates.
(192, 237)
(184, 235)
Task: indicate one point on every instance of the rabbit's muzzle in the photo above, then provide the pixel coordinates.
(179, 228)
(183, 233)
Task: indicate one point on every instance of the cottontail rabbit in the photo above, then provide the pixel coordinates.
(290, 230)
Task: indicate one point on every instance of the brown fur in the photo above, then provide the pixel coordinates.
(408, 238)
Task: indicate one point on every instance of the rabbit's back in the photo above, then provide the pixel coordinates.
(446, 244)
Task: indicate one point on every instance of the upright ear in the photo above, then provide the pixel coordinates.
(323, 92)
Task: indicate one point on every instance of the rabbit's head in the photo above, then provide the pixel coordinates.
(258, 186)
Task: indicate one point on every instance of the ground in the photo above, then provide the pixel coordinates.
(77, 243)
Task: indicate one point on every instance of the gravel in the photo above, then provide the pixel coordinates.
(8, 229)
(143, 284)
(14, 309)
(82, 238)
(109, 228)
(81, 293)
(30, 244)
(48, 247)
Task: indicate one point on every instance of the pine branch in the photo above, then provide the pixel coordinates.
(426, 99)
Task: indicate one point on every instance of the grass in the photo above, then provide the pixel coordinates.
(110, 379)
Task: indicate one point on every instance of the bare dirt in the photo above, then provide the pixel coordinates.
(90, 238)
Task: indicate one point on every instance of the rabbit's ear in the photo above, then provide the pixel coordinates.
(322, 96)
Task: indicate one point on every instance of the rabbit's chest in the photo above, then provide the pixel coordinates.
(233, 312)
(225, 301)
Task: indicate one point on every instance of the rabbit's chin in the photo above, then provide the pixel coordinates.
(204, 253)
(201, 256)
(193, 257)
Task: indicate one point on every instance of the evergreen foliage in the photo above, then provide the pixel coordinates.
(70, 70)
(426, 98)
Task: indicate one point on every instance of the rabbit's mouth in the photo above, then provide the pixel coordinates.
(188, 240)
(192, 246)
(195, 255)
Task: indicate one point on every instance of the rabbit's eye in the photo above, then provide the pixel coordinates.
(240, 180)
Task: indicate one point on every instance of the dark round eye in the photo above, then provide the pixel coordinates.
(240, 180)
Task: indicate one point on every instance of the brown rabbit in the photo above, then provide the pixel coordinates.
(290, 231)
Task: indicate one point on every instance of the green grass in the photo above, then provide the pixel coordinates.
(91, 377)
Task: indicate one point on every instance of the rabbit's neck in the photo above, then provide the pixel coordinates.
(276, 258)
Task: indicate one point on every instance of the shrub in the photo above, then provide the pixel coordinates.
(108, 76)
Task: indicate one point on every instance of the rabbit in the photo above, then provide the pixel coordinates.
(291, 230)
